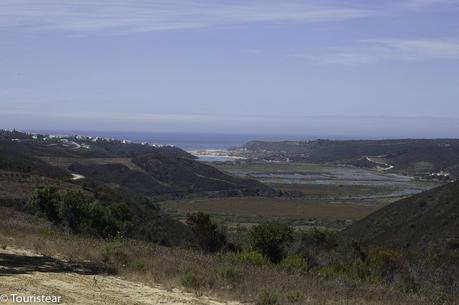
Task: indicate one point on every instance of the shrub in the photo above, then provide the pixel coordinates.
(192, 280)
(270, 240)
(356, 270)
(108, 221)
(209, 238)
(382, 265)
(319, 239)
(295, 263)
(252, 258)
(386, 263)
(267, 297)
(294, 296)
(228, 274)
(74, 211)
(115, 252)
(46, 202)
(79, 214)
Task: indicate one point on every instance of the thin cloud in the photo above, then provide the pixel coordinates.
(142, 15)
(370, 51)
(120, 16)
(427, 4)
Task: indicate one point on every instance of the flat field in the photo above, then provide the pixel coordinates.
(333, 196)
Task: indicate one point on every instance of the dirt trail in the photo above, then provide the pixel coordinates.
(25, 273)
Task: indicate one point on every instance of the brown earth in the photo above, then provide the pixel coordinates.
(25, 273)
(270, 207)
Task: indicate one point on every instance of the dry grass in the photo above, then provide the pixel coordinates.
(218, 275)
(65, 162)
(273, 207)
(15, 185)
(334, 190)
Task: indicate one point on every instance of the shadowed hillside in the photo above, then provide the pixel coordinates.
(407, 156)
(106, 187)
(424, 228)
(147, 169)
(415, 222)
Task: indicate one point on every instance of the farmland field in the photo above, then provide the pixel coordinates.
(333, 196)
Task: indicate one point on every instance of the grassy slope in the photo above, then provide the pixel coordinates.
(137, 168)
(424, 228)
(219, 275)
(414, 222)
(407, 155)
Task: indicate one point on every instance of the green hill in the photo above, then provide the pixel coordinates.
(407, 156)
(114, 179)
(424, 228)
(141, 168)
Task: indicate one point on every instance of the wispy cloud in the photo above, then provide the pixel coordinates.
(370, 51)
(423, 4)
(156, 15)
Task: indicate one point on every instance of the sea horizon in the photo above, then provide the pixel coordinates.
(188, 141)
(195, 141)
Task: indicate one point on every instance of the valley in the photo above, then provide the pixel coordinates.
(170, 227)
(315, 194)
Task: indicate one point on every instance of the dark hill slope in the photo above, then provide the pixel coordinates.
(160, 175)
(185, 175)
(139, 168)
(414, 223)
(142, 219)
(11, 160)
(408, 156)
(120, 176)
(424, 229)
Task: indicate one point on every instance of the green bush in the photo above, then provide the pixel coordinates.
(267, 297)
(109, 221)
(193, 280)
(382, 265)
(295, 263)
(319, 239)
(46, 202)
(209, 238)
(356, 270)
(115, 252)
(386, 263)
(76, 212)
(294, 296)
(270, 239)
(252, 258)
(228, 274)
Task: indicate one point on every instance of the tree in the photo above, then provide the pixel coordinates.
(209, 238)
(270, 240)
(74, 211)
(46, 201)
(109, 220)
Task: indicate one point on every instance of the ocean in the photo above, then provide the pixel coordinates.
(186, 141)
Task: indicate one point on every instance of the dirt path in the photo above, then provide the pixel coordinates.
(25, 273)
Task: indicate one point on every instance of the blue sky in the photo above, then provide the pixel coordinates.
(343, 68)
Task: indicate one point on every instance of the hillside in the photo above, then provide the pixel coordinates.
(109, 185)
(424, 228)
(413, 223)
(146, 169)
(421, 157)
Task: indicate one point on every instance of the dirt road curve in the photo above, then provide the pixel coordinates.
(25, 273)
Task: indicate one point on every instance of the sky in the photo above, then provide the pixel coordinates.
(337, 68)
